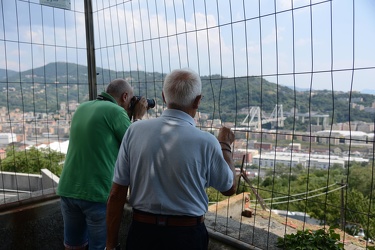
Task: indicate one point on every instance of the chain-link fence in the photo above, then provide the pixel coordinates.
(293, 79)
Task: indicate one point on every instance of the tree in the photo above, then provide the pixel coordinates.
(360, 212)
(325, 204)
(32, 161)
(362, 179)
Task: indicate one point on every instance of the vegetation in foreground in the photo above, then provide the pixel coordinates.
(32, 161)
(315, 240)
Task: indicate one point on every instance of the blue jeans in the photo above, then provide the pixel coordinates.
(84, 223)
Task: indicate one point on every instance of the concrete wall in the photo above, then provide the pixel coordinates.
(39, 226)
(34, 226)
(33, 220)
(28, 182)
(20, 181)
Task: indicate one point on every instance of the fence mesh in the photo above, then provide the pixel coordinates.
(293, 79)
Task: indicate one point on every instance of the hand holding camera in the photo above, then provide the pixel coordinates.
(136, 98)
(139, 105)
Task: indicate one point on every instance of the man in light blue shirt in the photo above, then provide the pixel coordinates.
(168, 163)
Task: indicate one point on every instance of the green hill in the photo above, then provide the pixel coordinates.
(43, 89)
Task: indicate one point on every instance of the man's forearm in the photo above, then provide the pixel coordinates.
(115, 209)
(229, 159)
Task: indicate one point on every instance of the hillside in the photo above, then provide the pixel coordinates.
(42, 89)
(6, 73)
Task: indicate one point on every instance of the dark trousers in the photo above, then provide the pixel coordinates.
(144, 236)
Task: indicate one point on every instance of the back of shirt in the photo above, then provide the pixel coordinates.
(96, 132)
(168, 163)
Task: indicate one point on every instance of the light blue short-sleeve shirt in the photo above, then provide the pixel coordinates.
(167, 162)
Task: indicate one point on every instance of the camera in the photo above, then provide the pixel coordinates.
(150, 102)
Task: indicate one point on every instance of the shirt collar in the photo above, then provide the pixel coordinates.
(108, 97)
(179, 115)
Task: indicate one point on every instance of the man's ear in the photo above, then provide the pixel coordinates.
(197, 101)
(162, 93)
(124, 96)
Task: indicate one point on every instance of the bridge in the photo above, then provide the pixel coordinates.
(310, 116)
(257, 117)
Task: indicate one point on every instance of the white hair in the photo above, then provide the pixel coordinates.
(181, 87)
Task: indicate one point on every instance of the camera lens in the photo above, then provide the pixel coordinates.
(150, 103)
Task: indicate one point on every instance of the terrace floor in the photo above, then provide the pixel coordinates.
(262, 229)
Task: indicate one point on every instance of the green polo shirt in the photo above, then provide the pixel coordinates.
(96, 132)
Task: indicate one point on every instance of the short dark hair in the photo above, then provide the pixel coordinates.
(117, 87)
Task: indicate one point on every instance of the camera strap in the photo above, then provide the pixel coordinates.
(103, 98)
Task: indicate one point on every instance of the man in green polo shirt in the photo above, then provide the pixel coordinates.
(96, 132)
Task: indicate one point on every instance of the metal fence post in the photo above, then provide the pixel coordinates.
(90, 47)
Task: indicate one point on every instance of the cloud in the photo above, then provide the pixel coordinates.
(141, 35)
(190, 42)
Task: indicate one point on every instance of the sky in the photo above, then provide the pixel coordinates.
(318, 44)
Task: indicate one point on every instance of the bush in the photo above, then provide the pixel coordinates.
(319, 239)
(32, 161)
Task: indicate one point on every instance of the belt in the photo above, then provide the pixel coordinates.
(166, 220)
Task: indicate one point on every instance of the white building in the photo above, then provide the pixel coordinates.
(61, 147)
(271, 159)
(344, 136)
(6, 138)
